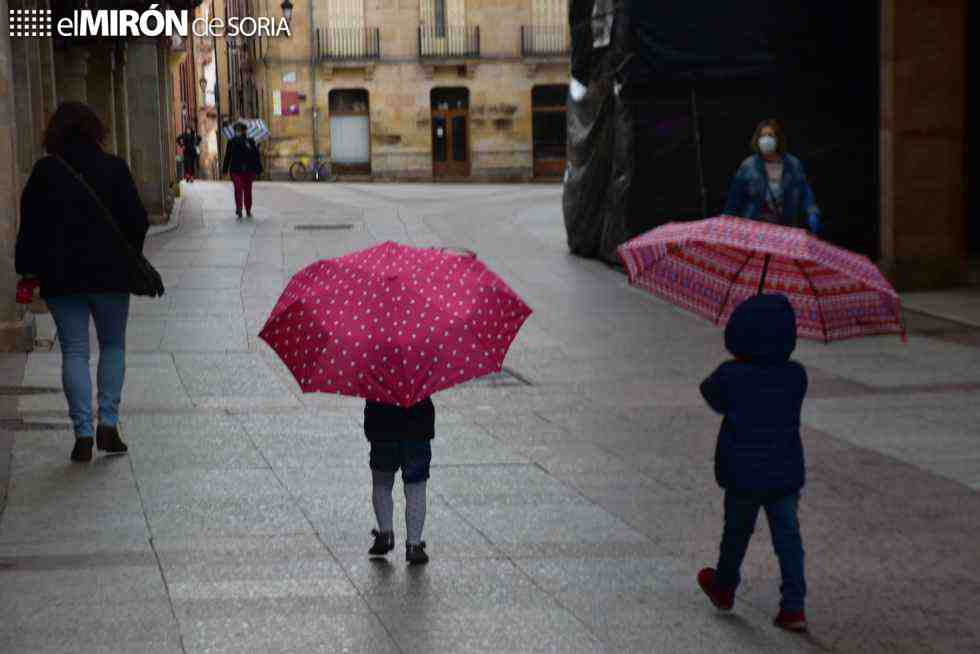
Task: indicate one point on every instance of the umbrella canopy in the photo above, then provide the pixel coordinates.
(710, 266)
(255, 129)
(394, 323)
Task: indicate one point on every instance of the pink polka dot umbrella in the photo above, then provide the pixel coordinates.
(394, 323)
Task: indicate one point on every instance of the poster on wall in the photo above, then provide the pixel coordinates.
(289, 78)
(290, 103)
(276, 103)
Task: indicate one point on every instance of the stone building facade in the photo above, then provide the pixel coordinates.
(129, 84)
(417, 89)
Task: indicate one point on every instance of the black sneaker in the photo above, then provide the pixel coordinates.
(107, 439)
(415, 554)
(384, 542)
(249, 214)
(82, 452)
(238, 215)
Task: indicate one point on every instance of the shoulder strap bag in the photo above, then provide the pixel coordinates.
(143, 277)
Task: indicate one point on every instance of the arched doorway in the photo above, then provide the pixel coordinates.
(450, 132)
(350, 131)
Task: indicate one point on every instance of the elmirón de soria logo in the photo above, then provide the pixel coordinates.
(164, 22)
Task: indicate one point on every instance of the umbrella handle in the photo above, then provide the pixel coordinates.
(765, 269)
(466, 252)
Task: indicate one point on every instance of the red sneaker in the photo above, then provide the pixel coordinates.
(791, 621)
(722, 599)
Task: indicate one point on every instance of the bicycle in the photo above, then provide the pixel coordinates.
(317, 170)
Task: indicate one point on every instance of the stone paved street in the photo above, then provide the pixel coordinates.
(572, 501)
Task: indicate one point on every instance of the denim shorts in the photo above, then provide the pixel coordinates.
(412, 456)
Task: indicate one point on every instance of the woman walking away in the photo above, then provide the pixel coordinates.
(83, 266)
(242, 160)
(771, 185)
(400, 438)
(189, 141)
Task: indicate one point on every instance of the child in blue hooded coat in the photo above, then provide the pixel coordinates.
(759, 457)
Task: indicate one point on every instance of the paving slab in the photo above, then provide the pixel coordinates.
(503, 630)
(232, 380)
(288, 631)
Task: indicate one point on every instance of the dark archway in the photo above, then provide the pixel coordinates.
(972, 130)
(549, 130)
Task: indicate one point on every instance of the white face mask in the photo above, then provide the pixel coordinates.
(767, 144)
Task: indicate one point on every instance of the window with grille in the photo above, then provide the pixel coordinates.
(549, 30)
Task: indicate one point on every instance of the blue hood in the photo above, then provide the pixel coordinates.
(763, 328)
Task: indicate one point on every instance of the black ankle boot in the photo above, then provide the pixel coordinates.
(384, 542)
(107, 439)
(415, 554)
(82, 452)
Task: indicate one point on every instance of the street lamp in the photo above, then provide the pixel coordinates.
(287, 10)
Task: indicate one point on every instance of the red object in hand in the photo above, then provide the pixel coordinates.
(25, 290)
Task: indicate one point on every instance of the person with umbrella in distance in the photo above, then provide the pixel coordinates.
(395, 324)
(189, 141)
(771, 185)
(243, 163)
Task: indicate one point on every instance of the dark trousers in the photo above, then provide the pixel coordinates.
(190, 166)
(741, 512)
(243, 190)
(412, 456)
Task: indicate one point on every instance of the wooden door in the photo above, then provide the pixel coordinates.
(549, 129)
(450, 143)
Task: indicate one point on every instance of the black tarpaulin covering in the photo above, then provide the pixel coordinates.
(694, 78)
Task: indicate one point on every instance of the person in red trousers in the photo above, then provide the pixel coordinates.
(243, 162)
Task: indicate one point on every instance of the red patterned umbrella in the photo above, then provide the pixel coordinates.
(394, 323)
(710, 266)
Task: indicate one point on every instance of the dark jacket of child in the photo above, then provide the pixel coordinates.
(388, 422)
(760, 394)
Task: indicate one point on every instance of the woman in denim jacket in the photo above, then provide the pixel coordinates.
(771, 185)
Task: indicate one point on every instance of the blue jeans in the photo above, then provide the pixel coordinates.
(740, 516)
(110, 312)
(412, 456)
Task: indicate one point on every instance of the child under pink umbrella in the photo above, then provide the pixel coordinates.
(395, 324)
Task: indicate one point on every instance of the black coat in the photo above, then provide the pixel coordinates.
(387, 422)
(761, 396)
(242, 156)
(62, 240)
(189, 142)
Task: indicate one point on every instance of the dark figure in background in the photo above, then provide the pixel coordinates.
(83, 267)
(243, 162)
(771, 185)
(189, 141)
(759, 457)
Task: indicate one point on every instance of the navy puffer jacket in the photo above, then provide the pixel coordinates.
(760, 394)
